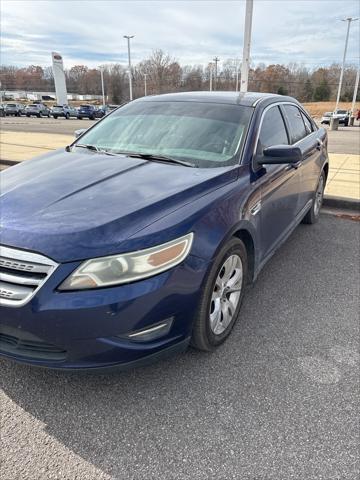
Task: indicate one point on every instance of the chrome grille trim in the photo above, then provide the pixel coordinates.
(21, 275)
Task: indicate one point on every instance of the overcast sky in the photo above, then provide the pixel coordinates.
(91, 32)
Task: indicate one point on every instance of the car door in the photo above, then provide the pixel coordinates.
(306, 137)
(279, 184)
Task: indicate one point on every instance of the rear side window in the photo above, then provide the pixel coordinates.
(273, 131)
(297, 126)
(308, 125)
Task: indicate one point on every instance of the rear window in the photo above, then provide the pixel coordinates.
(308, 125)
(297, 126)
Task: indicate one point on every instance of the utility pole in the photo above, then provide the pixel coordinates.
(102, 85)
(128, 37)
(216, 60)
(349, 20)
(211, 76)
(246, 47)
(145, 84)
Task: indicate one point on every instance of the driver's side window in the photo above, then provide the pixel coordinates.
(273, 131)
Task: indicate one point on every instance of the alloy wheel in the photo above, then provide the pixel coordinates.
(319, 194)
(226, 294)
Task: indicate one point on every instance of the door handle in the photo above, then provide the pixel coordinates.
(296, 165)
(320, 144)
(256, 208)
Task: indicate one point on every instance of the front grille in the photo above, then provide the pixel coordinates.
(21, 275)
(29, 346)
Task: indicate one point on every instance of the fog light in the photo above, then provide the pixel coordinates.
(151, 333)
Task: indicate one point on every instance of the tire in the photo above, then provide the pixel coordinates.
(79, 118)
(38, 115)
(313, 214)
(55, 117)
(28, 115)
(92, 118)
(208, 333)
(67, 116)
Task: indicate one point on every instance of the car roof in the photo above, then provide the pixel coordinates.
(249, 99)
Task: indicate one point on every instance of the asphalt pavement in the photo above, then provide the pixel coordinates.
(278, 401)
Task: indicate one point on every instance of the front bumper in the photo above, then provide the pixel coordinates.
(88, 329)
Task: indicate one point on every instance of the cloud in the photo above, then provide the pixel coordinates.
(91, 32)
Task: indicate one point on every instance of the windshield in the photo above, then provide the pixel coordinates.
(204, 134)
(11, 105)
(85, 106)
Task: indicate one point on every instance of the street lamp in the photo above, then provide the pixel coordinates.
(128, 37)
(145, 84)
(216, 60)
(349, 20)
(211, 66)
(102, 84)
(246, 48)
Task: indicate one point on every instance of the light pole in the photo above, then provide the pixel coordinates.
(246, 48)
(354, 96)
(349, 20)
(145, 85)
(216, 60)
(102, 84)
(211, 76)
(128, 37)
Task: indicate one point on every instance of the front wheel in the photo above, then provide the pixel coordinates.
(67, 116)
(313, 214)
(221, 298)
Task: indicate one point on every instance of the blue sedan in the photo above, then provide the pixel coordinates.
(140, 237)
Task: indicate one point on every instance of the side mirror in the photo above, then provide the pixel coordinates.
(79, 132)
(279, 154)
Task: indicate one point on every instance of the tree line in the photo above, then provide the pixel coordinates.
(163, 74)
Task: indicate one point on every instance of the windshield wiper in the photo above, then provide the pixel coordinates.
(157, 158)
(93, 148)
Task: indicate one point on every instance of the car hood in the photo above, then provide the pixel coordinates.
(75, 205)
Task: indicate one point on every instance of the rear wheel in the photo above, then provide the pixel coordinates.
(55, 116)
(313, 214)
(67, 116)
(79, 118)
(39, 115)
(221, 298)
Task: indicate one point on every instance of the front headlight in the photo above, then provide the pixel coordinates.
(128, 267)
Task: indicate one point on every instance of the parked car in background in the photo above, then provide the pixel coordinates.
(102, 111)
(65, 111)
(15, 109)
(38, 109)
(88, 111)
(144, 237)
(342, 115)
(326, 118)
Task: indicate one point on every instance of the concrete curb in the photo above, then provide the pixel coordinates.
(341, 202)
(9, 162)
